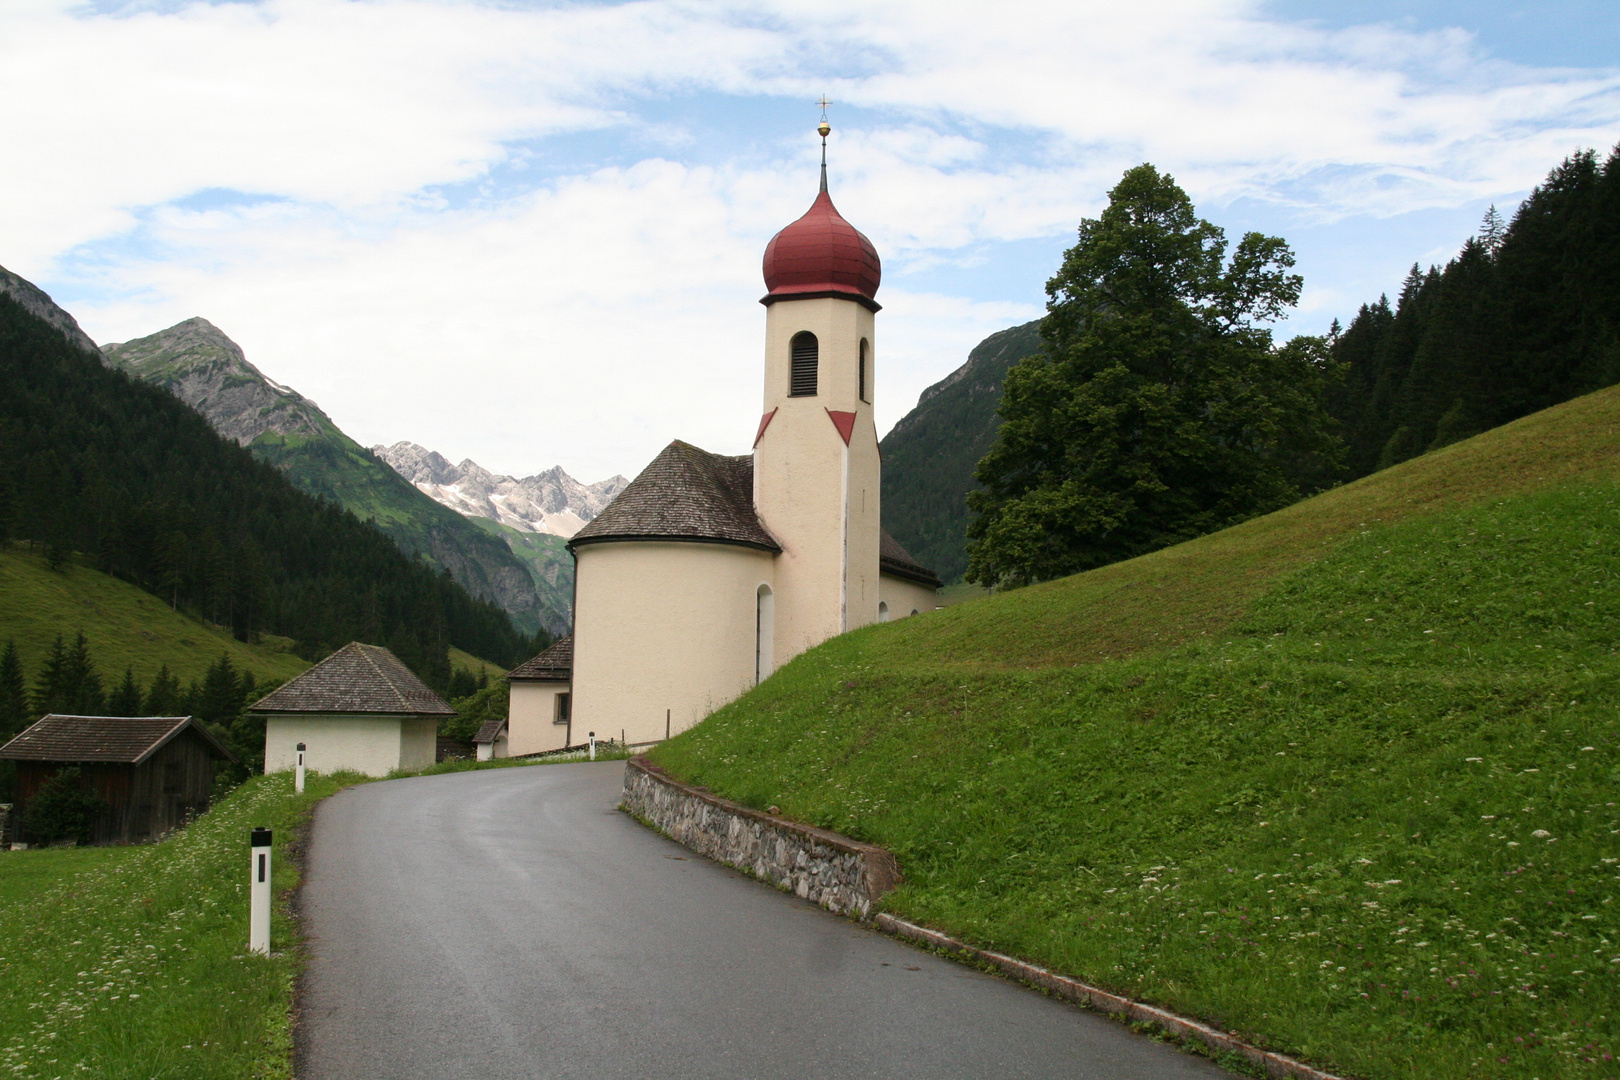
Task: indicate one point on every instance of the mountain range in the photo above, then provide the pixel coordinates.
(550, 502)
(203, 367)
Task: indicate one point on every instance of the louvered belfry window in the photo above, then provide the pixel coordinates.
(863, 371)
(805, 352)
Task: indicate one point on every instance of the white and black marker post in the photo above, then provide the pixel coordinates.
(593, 746)
(298, 771)
(259, 892)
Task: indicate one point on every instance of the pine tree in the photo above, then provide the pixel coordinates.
(163, 697)
(126, 699)
(51, 691)
(14, 714)
(1492, 231)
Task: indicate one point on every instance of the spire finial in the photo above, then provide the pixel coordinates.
(822, 129)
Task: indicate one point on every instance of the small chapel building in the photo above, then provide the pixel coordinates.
(708, 571)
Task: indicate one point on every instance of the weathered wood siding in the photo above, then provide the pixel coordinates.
(147, 800)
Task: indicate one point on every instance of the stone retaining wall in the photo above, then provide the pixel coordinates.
(834, 871)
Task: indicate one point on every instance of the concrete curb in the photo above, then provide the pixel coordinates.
(1090, 997)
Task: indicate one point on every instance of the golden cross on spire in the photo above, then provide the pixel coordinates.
(824, 103)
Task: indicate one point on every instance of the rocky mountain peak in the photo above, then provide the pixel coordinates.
(203, 367)
(35, 301)
(548, 502)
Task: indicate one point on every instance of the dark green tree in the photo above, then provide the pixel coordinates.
(62, 809)
(14, 714)
(68, 681)
(125, 700)
(164, 697)
(1159, 408)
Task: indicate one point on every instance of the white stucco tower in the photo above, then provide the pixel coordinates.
(816, 465)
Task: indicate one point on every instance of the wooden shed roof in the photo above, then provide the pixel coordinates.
(125, 740)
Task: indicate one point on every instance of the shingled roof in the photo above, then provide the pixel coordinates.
(490, 731)
(357, 679)
(555, 664)
(896, 560)
(684, 494)
(121, 740)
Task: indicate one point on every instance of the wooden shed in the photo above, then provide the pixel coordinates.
(155, 772)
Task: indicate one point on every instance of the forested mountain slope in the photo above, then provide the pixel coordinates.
(930, 455)
(139, 483)
(203, 367)
(1339, 779)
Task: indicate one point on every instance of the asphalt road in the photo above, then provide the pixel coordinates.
(511, 923)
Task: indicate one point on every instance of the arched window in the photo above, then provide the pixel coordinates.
(764, 631)
(883, 611)
(863, 371)
(805, 351)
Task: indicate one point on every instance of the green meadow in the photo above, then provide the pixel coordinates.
(1342, 779)
(126, 626)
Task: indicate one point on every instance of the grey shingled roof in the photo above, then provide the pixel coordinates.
(490, 731)
(896, 560)
(555, 664)
(123, 740)
(684, 494)
(357, 679)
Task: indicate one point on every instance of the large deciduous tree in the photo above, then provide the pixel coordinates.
(1158, 408)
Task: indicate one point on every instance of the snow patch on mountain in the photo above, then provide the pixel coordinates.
(549, 502)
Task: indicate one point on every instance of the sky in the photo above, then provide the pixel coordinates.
(530, 233)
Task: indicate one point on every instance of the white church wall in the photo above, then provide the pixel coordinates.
(662, 626)
(531, 717)
(818, 497)
(905, 596)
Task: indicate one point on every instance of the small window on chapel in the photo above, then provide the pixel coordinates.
(863, 371)
(805, 353)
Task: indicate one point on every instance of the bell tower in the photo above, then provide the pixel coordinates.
(816, 465)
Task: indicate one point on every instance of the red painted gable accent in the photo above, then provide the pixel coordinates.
(764, 422)
(844, 422)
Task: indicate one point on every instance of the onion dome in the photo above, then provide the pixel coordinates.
(821, 254)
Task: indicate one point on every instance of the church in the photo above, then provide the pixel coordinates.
(708, 572)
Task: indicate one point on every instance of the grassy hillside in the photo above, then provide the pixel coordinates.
(930, 455)
(126, 626)
(1342, 779)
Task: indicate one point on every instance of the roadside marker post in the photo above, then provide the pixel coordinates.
(593, 746)
(298, 771)
(259, 891)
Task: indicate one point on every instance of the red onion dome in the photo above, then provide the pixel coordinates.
(821, 254)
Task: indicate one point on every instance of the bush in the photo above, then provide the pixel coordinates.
(63, 810)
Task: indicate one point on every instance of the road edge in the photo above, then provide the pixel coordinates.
(850, 878)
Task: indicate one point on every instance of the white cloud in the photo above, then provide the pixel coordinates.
(550, 308)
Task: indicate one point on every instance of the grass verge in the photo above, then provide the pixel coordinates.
(127, 963)
(1342, 781)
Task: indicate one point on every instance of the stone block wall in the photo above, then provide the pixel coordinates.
(840, 874)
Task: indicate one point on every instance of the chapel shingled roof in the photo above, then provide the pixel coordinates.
(121, 740)
(554, 664)
(357, 679)
(684, 494)
(896, 560)
(490, 731)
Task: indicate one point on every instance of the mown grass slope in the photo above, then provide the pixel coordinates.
(1342, 779)
(127, 627)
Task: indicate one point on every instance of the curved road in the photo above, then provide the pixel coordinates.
(511, 923)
